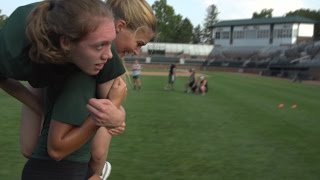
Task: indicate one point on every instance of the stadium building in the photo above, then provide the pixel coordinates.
(162, 54)
(280, 46)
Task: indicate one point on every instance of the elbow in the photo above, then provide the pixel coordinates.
(55, 155)
(26, 152)
(26, 148)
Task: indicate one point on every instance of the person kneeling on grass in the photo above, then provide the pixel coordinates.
(191, 84)
(202, 85)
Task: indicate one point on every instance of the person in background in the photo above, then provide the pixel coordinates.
(136, 72)
(171, 77)
(202, 85)
(191, 84)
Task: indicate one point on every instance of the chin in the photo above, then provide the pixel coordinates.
(92, 73)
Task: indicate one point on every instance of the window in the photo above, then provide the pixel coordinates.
(282, 33)
(263, 34)
(217, 35)
(251, 34)
(238, 34)
(225, 35)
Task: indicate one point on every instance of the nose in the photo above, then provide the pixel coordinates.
(107, 54)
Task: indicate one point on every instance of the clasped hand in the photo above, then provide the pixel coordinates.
(108, 112)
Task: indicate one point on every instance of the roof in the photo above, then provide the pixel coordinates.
(259, 21)
(192, 49)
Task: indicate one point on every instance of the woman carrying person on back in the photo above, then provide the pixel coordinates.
(69, 45)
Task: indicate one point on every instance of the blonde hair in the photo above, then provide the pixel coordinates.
(53, 19)
(136, 13)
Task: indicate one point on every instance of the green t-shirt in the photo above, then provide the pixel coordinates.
(66, 102)
(14, 61)
(16, 64)
(14, 53)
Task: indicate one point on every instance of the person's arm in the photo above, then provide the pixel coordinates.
(204, 82)
(64, 138)
(17, 90)
(102, 139)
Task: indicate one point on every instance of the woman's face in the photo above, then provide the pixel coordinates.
(128, 42)
(93, 51)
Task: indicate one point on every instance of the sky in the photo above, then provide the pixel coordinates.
(195, 10)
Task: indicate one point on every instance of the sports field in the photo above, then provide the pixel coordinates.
(235, 132)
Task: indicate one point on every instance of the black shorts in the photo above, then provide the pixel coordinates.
(191, 84)
(36, 169)
(136, 77)
(2, 78)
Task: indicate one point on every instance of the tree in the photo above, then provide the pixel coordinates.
(164, 14)
(311, 14)
(210, 20)
(171, 27)
(197, 35)
(184, 32)
(264, 13)
(3, 19)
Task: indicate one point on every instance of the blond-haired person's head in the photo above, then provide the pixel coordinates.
(135, 25)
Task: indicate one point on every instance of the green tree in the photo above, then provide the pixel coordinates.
(210, 20)
(184, 32)
(197, 35)
(311, 14)
(165, 18)
(3, 19)
(171, 27)
(264, 13)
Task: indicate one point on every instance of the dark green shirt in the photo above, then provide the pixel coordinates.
(14, 53)
(66, 102)
(14, 61)
(16, 64)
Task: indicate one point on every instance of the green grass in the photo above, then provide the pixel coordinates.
(234, 132)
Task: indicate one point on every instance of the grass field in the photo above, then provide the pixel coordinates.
(235, 132)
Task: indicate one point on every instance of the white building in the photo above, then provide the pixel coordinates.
(174, 49)
(280, 31)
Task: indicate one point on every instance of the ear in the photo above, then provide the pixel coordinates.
(120, 24)
(65, 43)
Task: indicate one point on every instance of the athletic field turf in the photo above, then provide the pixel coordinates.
(235, 132)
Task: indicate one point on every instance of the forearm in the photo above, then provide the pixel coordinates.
(21, 93)
(63, 142)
